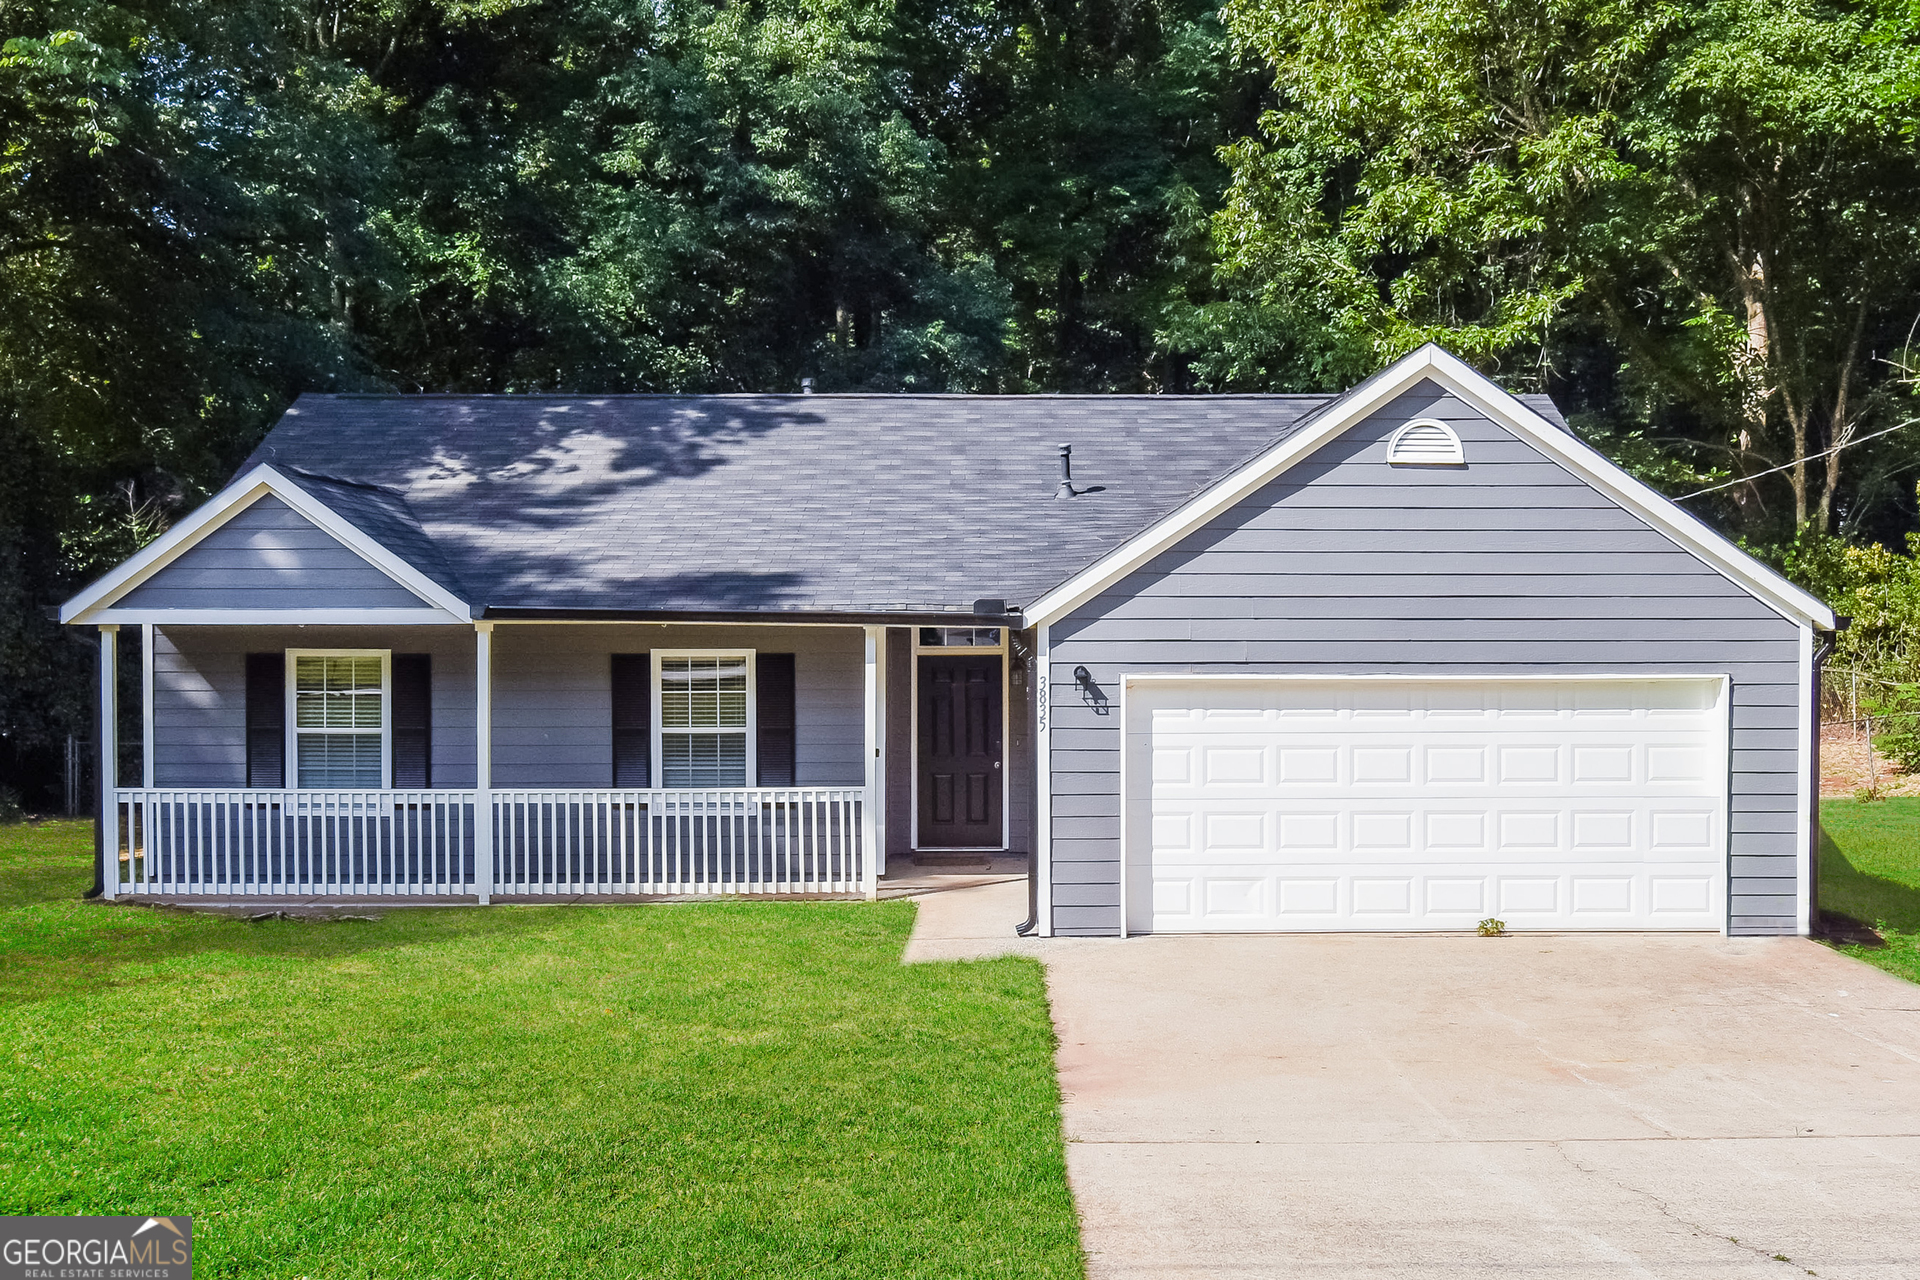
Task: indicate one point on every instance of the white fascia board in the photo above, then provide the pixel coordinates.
(422, 617)
(90, 605)
(1474, 388)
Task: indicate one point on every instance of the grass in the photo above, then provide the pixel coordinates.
(712, 1090)
(1870, 871)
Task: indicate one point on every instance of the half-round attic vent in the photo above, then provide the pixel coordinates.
(1425, 442)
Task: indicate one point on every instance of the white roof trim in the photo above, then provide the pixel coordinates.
(1497, 404)
(95, 603)
(424, 616)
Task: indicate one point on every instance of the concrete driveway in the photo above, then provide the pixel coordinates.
(1421, 1105)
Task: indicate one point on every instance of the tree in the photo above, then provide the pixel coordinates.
(181, 197)
(1716, 192)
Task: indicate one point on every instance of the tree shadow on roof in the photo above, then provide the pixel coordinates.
(543, 582)
(528, 498)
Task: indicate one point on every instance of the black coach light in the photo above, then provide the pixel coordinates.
(1090, 692)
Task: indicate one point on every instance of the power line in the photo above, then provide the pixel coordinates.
(1787, 466)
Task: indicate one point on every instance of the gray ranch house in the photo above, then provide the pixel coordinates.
(1401, 658)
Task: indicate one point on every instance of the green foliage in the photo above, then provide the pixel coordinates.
(1703, 203)
(1688, 221)
(727, 1089)
(1877, 588)
(181, 192)
(206, 209)
(1895, 718)
(1875, 663)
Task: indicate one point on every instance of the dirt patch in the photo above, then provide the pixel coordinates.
(1849, 765)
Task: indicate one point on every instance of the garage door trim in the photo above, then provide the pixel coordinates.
(1722, 721)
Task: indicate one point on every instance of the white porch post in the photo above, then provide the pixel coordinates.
(483, 760)
(873, 821)
(109, 754)
(147, 633)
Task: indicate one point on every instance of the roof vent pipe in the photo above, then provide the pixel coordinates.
(806, 386)
(1066, 489)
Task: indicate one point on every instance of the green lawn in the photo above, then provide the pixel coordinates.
(1870, 870)
(716, 1090)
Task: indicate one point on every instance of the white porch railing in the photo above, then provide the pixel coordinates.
(753, 840)
(548, 842)
(260, 843)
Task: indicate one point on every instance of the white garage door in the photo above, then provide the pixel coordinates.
(1269, 804)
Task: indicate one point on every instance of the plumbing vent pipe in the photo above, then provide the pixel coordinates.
(1066, 489)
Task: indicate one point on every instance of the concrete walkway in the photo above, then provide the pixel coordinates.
(1423, 1106)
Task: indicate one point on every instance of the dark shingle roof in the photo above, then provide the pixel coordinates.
(384, 515)
(745, 503)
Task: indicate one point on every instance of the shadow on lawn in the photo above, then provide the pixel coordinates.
(74, 948)
(1853, 895)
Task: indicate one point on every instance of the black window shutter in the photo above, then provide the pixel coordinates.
(632, 720)
(773, 713)
(267, 720)
(412, 721)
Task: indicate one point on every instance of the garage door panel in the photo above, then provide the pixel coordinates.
(1308, 765)
(1333, 897)
(1413, 805)
(1382, 895)
(1680, 895)
(1233, 765)
(1526, 897)
(1625, 828)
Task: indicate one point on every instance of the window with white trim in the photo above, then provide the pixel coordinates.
(706, 719)
(960, 637)
(338, 717)
(1425, 442)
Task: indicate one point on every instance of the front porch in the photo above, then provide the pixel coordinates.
(801, 841)
(543, 762)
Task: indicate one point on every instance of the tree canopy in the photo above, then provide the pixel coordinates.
(1689, 219)
(1690, 222)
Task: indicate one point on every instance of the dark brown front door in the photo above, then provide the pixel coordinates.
(960, 752)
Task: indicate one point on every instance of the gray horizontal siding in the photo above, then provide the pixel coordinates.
(200, 695)
(552, 697)
(1490, 609)
(269, 556)
(1384, 578)
(1348, 566)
